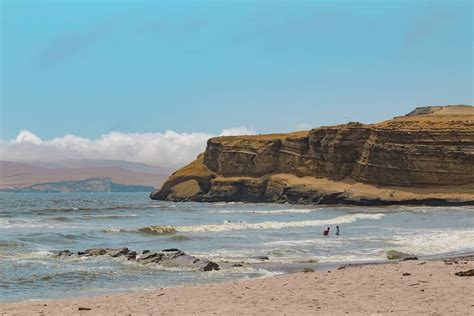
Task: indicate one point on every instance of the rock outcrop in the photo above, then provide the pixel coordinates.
(168, 258)
(425, 157)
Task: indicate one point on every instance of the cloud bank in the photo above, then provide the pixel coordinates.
(168, 149)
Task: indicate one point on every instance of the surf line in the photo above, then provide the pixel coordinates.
(345, 219)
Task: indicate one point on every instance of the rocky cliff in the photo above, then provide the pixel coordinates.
(425, 157)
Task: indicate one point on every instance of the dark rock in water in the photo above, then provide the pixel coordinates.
(397, 255)
(150, 257)
(170, 249)
(113, 252)
(95, 252)
(468, 273)
(118, 252)
(132, 255)
(262, 258)
(171, 258)
(237, 265)
(175, 258)
(64, 253)
(209, 266)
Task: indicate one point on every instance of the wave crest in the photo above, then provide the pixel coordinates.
(277, 225)
(272, 212)
(162, 230)
(157, 230)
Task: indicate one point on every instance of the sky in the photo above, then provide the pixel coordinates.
(150, 81)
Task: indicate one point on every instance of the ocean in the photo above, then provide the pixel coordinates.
(34, 226)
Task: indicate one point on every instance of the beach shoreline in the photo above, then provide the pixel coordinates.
(400, 287)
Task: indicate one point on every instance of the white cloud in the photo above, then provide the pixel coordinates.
(304, 126)
(27, 137)
(168, 149)
(238, 131)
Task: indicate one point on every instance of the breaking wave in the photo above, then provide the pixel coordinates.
(276, 225)
(152, 230)
(158, 230)
(116, 230)
(272, 212)
(244, 226)
(435, 242)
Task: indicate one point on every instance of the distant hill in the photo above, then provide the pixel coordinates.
(99, 163)
(87, 185)
(18, 175)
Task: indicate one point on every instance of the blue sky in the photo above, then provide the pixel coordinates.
(91, 67)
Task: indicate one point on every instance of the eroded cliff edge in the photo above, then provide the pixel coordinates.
(425, 157)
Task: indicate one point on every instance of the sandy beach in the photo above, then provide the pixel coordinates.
(409, 287)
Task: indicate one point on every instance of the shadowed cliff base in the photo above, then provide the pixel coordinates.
(423, 158)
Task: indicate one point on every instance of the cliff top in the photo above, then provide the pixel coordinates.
(263, 137)
(443, 110)
(456, 117)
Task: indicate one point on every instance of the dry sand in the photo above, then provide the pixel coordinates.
(406, 288)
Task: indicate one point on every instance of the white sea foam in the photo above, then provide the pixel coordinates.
(107, 216)
(434, 209)
(115, 230)
(40, 254)
(272, 212)
(22, 223)
(326, 242)
(431, 242)
(353, 257)
(226, 203)
(276, 225)
(292, 255)
(227, 226)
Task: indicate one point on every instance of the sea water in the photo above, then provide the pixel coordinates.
(34, 226)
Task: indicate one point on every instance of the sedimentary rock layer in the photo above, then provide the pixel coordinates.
(425, 157)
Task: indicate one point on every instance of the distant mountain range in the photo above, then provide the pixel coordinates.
(99, 163)
(80, 176)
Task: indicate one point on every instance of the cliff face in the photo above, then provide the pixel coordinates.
(429, 148)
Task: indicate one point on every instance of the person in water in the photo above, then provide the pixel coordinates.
(337, 230)
(326, 232)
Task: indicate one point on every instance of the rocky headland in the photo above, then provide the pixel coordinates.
(423, 158)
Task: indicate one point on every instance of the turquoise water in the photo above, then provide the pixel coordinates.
(33, 226)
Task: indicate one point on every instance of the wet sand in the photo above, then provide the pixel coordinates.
(408, 287)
